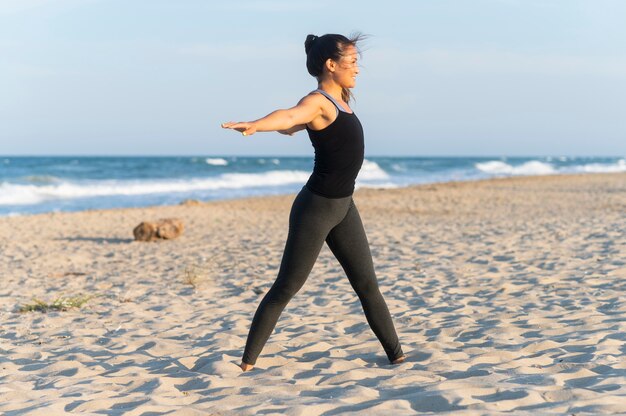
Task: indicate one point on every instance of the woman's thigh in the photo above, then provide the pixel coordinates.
(310, 220)
(348, 242)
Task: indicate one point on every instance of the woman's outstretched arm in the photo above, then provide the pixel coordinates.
(292, 130)
(307, 109)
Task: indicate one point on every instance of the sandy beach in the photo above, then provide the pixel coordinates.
(507, 295)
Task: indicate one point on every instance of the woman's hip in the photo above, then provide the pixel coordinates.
(318, 210)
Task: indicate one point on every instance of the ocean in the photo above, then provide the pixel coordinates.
(30, 185)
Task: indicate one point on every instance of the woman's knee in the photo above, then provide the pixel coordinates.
(367, 288)
(283, 293)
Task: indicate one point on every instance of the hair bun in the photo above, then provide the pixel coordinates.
(309, 42)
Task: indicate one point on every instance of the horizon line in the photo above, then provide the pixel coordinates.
(300, 156)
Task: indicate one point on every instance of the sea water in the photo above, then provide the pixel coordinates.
(44, 184)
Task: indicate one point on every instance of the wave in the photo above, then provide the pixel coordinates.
(45, 189)
(263, 161)
(560, 158)
(216, 161)
(372, 171)
(398, 167)
(16, 194)
(619, 166)
(14, 214)
(533, 167)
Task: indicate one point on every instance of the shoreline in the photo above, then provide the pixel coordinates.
(452, 183)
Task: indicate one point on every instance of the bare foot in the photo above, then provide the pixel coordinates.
(246, 366)
(399, 360)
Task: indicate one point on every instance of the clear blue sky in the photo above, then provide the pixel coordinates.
(439, 77)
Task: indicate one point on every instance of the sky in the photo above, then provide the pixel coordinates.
(438, 77)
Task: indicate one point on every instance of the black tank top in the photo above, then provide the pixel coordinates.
(339, 151)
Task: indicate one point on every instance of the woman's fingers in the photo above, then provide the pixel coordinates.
(242, 127)
(234, 125)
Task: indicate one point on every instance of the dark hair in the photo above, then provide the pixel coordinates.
(319, 49)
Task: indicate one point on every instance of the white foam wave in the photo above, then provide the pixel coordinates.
(263, 161)
(14, 194)
(371, 171)
(14, 214)
(398, 167)
(216, 161)
(619, 166)
(533, 167)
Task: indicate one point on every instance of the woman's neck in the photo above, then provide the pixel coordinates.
(332, 88)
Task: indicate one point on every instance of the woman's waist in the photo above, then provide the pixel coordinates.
(321, 191)
(337, 167)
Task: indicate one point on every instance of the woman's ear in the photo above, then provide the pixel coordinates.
(330, 65)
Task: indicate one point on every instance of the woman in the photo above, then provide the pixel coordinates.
(324, 209)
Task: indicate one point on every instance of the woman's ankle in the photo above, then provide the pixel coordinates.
(245, 366)
(399, 360)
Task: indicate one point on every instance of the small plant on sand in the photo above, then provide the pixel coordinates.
(60, 304)
(192, 276)
(197, 273)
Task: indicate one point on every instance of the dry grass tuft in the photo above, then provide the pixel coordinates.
(60, 304)
(193, 275)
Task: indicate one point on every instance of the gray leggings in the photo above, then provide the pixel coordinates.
(313, 220)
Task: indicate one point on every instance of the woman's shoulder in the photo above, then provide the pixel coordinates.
(316, 98)
(315, 95)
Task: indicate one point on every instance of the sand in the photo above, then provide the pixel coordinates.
(507, 295)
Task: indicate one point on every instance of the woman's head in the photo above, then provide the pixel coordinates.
(333, 55)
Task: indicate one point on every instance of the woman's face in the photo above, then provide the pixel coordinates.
(346, 69)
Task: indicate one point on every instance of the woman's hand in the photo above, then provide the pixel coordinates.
(307, 109)
(246, 128)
